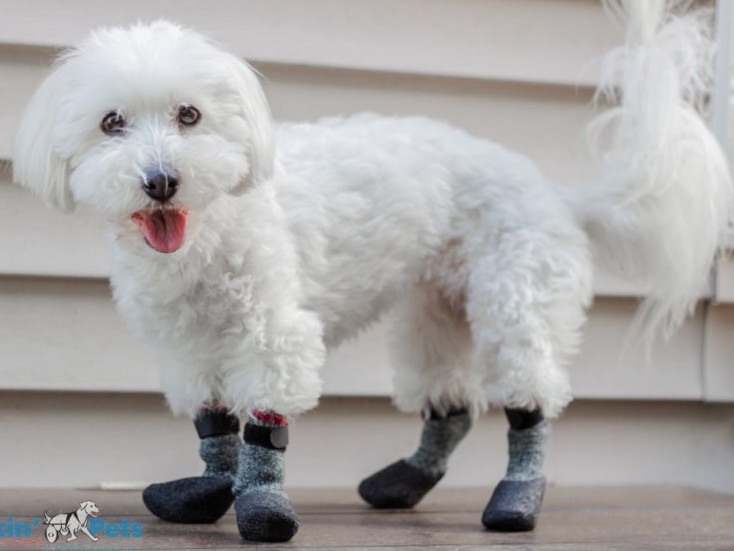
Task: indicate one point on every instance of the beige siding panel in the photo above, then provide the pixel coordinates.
(556, 41)
(21, 70)
(725, 278)
(65, 335)
(719, 354)
(133, 438)
(37, 240)
(604, 369)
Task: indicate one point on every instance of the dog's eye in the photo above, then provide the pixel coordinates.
(112, 123)
(188, 115)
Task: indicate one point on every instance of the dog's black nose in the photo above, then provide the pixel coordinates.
(159, 185)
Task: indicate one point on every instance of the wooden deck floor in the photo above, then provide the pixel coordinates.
(583, 519)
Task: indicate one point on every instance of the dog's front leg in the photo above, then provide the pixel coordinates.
(72, 535)
(264, 512)
(274, 380)
(205, 498)
(88, 533)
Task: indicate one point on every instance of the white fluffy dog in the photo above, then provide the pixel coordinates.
(243, 252)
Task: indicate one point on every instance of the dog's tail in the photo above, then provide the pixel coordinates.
(661, 212)
(48, 518)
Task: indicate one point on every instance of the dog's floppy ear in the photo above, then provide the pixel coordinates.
(256, 112)
(36, 163)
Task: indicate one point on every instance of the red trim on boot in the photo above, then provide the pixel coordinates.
(270, 418)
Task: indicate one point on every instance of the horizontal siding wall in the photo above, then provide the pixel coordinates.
(63, 334)
(515, 71)
(549, 41)
(133, 439)
(725, 279)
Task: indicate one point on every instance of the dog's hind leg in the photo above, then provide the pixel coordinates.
(405, 483)
(516, 500)
(432, 344)
(526, 298)
(202, 499)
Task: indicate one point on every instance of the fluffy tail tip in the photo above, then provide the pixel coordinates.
(665, 201)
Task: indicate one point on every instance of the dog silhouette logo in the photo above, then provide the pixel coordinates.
(71, 523)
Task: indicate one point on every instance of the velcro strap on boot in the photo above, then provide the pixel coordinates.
(272, 438)
(216, 423)
(434, 415)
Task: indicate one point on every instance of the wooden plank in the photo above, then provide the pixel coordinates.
(554, 41)
(589, 518)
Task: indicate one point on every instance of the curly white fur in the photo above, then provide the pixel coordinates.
(287, 253)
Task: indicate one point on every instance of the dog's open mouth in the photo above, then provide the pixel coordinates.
(163, 229)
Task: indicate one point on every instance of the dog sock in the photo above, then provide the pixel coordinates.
(515, 502)
(264, 512)
(202, 499)
(404, 483)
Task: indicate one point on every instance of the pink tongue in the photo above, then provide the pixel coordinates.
(164, 230)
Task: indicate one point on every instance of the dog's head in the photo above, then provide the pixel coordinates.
(146, 124)
(89, 507)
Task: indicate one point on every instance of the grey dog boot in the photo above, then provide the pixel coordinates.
(404, 483)
(264, 512)
(202, 499)
(515, 502)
